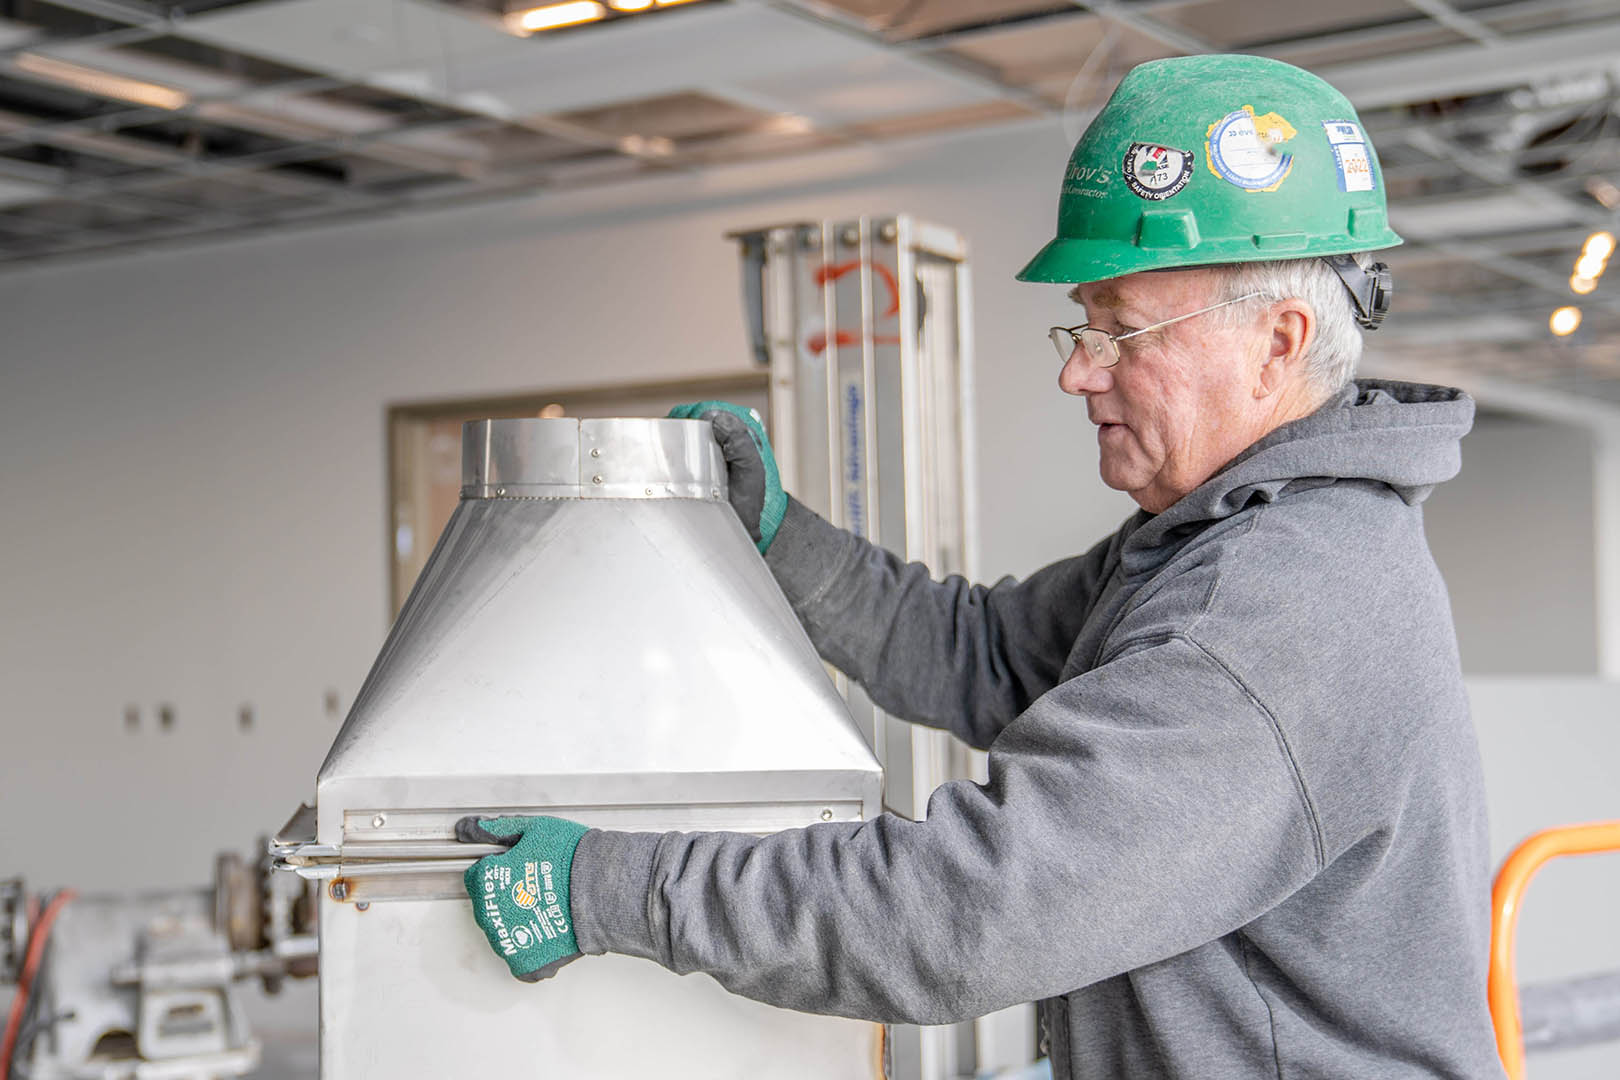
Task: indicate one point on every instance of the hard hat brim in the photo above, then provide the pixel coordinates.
(1075, 261)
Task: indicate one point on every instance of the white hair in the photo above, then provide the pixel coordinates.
(1335, 347)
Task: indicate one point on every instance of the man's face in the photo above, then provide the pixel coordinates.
(1181, 402)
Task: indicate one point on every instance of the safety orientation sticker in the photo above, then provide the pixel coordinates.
(1156, 172)
(1350, 155)
(1247, 150)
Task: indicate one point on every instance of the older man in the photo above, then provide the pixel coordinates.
(1234, 824)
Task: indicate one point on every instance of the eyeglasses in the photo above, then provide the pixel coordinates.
(1102, 348)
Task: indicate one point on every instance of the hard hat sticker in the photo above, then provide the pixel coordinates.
(1350, 155)
(1246, 150)
(1156, 172)
(1342, 131)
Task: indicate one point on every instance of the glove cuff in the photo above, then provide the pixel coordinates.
(611, 883)
(771, 515)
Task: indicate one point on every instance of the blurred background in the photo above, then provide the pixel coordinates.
(237, 238)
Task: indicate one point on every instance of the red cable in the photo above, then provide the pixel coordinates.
(36, 951)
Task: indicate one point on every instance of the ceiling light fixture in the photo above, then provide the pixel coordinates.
(672, 3)
(1603, 191)
(647, 145)
(1593, 260)
(790, 124)
(100, 83)
(630, 5)
(555, 16)
(1564, 321)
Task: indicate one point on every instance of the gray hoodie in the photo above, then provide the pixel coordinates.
(1234, 825)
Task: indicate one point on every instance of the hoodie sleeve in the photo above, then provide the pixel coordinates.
(1132, 813)
(943, 653)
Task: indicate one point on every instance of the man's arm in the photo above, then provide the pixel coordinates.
(947, 654)
(944, 654)
(1133, 813)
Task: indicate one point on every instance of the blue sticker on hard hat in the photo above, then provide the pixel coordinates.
(1156, 172)
(1350, 157)
(1246, 150)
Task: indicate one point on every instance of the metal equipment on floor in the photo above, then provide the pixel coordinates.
(595, 637)
(145, 986)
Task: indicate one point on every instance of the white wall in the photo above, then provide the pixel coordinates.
(1515, 535)
(192, 472)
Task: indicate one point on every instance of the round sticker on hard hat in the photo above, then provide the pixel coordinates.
(1156, 172)
(1247, 150)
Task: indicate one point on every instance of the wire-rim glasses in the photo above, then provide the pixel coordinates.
(1102, 348)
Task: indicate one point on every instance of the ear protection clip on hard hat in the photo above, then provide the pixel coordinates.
(1370, 287)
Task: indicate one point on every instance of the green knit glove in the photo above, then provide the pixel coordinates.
(520, 897)
(752, 481)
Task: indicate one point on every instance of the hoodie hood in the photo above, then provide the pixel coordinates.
(1405, 435)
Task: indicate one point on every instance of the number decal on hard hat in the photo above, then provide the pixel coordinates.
(1157, 172)
(1246, 150)
(1350, 155)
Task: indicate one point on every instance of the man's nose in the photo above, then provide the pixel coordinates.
(1080, 376)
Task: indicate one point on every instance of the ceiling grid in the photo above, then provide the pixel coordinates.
(127, 123)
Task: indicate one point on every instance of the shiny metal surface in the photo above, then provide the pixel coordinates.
(586, 653)
(590, 459)
(419, 997)
(411, 865)
(621, 656)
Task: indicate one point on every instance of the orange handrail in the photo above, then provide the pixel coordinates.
(1511, 880)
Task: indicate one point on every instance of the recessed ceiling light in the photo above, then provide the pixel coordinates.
(1564, 321)
(1591, 266)
(1603, 191)
(1600, 244)
(100, 83)
(630, 5)
(646, 146)
(1581, 285)
(553, 16)
(790, 124)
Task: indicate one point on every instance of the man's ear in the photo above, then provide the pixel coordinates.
(1292, 325)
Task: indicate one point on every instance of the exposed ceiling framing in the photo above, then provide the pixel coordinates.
(134, 123)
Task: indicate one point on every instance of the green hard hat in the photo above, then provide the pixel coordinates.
(1201, 160)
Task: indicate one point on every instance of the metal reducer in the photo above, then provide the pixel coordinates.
(594, 637)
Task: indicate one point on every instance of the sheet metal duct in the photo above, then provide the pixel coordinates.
(595, 637)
